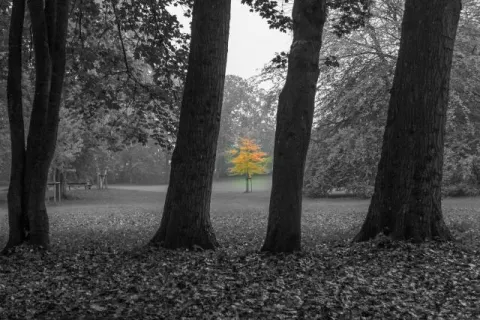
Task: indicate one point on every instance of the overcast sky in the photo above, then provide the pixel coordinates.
(252, 44)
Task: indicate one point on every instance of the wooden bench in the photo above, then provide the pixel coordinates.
(87, 185)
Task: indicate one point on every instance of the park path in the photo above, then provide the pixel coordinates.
(155, 188)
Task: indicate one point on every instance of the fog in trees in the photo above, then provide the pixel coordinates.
(248, 111)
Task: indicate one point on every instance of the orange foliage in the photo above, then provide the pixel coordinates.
(248, 159)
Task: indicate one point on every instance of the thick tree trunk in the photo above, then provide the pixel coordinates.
(186, 215)
(49, 26)
(294, 123)
(18, 222)
(406, 204)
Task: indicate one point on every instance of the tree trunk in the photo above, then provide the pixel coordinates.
(49, 25)
(105, 179)
(186, 215)
(167, 167)
(406, 204)
(63, 184)
(294, 123)
(49, 28)
(220, 165)
(18, 222)
(54, 180)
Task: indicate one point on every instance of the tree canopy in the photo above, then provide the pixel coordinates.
(248, 159)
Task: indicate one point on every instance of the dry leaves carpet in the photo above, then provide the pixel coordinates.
(99, 268)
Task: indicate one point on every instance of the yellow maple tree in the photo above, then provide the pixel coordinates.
(248, 160)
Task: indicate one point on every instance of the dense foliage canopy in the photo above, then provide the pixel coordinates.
(126, 64)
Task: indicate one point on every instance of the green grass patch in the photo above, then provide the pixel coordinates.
(99, 268)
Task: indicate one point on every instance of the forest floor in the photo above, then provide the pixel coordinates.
(99, 267)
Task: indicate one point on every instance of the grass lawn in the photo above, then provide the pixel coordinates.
(226, 185)
(99, 268)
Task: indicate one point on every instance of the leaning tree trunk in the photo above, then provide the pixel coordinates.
(49, 29)
(294, 123)
(406, 204)
(186, 215)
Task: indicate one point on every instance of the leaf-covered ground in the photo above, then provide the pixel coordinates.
(99, 269)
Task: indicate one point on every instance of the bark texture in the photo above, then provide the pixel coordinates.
(406, 204)
(17, 217)
(28, 183)
(186, 215)
(294, 123)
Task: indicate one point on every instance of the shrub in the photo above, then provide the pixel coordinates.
(460, 190)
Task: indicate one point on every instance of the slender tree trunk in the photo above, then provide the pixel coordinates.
(49, 25)
(294, 123)
(167, 167)
(406, 204)
(220, 165)
(17, 217)
(130, 173)
(186, 215)
(105, 177)
(63, 184)
(49, 28)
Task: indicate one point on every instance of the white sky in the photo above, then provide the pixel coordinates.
(252, 44)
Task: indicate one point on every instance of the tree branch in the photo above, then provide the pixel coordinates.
(117, 21)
